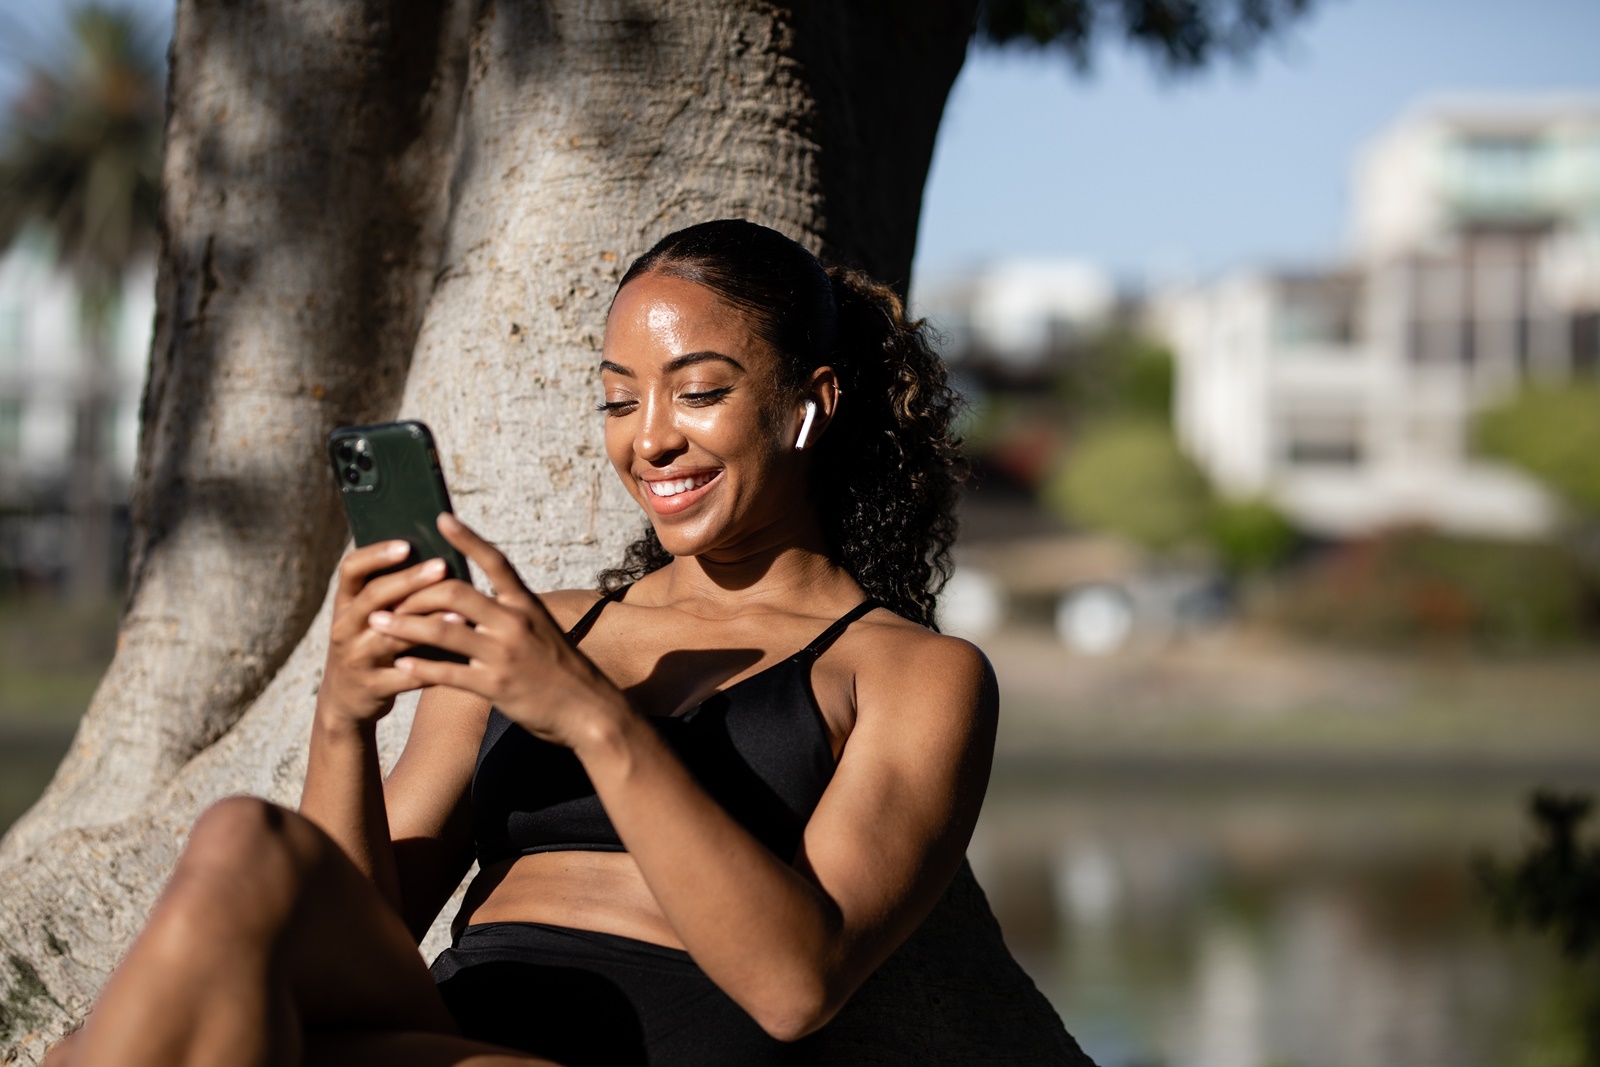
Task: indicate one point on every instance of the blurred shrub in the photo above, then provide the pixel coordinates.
(1420, 586)
(1126, 476)
(1553, 432)
(1555, 889)
(1249, 536)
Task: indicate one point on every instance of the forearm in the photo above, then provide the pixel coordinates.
(766, 934)
(343, 795)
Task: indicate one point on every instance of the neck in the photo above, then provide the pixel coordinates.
(779, 566)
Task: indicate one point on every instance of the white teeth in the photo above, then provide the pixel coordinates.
(679, 485)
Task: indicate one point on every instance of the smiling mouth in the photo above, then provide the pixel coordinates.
(678, 486)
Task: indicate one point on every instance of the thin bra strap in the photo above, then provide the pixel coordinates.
(828, 636)
(578, 632)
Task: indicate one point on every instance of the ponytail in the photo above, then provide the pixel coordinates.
(889, 465)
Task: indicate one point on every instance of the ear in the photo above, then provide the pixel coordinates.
(819, 399)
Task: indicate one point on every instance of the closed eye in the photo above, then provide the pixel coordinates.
(615, 407)
(705, 397)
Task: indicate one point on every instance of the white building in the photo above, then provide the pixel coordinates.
(1347, 395)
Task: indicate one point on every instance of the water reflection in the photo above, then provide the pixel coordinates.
(1272, 923)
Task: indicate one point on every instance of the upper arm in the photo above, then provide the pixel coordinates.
(892, 828)
(428, 803)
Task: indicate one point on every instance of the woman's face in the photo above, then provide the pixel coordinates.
(697, 424)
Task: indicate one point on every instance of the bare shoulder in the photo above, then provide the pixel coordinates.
(909, 667)
(566, 606)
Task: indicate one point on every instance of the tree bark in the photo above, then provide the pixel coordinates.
(369, 215)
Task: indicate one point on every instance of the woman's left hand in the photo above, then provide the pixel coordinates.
(518, 657)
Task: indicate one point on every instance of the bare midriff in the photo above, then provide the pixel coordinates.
(600, 891)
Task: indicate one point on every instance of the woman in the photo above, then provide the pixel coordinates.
(706, 805)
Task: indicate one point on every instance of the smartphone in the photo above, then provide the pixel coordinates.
(393, 490)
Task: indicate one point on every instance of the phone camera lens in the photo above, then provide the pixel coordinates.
(364, 461)
(345, 452)
(352, 475)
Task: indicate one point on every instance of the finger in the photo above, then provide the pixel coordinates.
(501, 574)
(350, 617)
(373, 649)
(389, 589)
(458, 598)
(440, 672)
(432, 630)
(392, 681)
(361, 563)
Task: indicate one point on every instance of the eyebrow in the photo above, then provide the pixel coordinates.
(678, 363)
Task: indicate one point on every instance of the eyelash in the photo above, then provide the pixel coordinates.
(701, 399)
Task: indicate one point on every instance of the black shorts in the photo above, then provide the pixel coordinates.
(582, 998)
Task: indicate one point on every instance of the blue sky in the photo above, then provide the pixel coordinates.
(1235, 166)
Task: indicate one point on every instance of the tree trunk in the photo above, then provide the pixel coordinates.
(369, 215)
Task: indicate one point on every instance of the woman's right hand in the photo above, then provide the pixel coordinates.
(360, 681)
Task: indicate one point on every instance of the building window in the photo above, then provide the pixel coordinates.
(1321, 439)
(1498, 174)
(1316, 311)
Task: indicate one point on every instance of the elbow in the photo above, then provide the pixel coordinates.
(802, 1007)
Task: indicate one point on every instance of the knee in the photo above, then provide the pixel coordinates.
(243, 869)
(246, 839)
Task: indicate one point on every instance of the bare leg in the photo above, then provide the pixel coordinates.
(60, 1054)
(265, 928)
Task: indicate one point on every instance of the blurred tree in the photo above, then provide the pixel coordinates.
(1126, 475)
(369, 207)
(80, 158)
(1181, 34)
(1124, 472)
(1120, 371)
(1555, 889)
(1553, 432)
(1249, 536)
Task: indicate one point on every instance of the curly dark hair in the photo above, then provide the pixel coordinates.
(889, 460)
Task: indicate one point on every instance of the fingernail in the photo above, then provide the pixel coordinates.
(396, 548)
(405, 664)
(451, 616)
(449, 521)
(380, 619)
(433, 568)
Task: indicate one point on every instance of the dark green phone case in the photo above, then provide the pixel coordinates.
(393, 489)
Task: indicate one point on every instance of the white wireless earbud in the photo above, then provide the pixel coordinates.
(805, 427)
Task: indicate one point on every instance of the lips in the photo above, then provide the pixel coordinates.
(668, 496)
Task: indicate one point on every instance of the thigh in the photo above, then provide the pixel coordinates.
(388, 1048)
(343, 953)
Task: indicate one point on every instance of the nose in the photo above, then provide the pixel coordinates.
(658, 434)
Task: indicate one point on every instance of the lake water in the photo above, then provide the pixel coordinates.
(1286, 921)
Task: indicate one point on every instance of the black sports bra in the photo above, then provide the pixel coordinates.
(760, 747)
